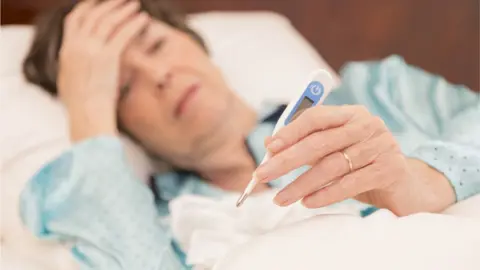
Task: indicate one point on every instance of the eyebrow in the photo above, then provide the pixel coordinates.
(142, 33)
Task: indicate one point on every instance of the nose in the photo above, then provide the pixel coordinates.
(158, 71)
(163, 77)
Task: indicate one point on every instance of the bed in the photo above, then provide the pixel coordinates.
(323, 34)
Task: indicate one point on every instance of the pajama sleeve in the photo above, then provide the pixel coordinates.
(457, 153)
(434, 121)
(89, 199)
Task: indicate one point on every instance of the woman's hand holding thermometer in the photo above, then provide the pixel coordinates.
(351, 154)
(315, 91)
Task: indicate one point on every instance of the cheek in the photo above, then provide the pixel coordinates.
(141, 114)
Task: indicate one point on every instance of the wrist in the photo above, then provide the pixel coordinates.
(436, 181)
(427, 190)
(91, 121)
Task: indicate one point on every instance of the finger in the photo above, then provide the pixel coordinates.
(112, 22)
(346, 187)
(334, 166)
(267, 141)
(99, 11)
(73, 19)
(315, 147)
(128, 32)
(312, 120)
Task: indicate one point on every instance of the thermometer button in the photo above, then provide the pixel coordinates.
(316, 88)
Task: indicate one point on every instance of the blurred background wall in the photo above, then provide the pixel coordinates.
(440, 36)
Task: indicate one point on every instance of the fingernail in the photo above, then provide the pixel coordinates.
(275, 146)
(133, 3)
(144, 16)
(281, 199)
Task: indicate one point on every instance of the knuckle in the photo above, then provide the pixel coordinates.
(286, 134)
(378, 123)
(287, 158)
(393, 145)
(366, 126)
(389, 142)
(316, 142)
(280, 161)
(349, 132)
(360, 110)
(69, 19)
(110, 22)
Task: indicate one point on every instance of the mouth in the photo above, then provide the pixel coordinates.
(185, 98)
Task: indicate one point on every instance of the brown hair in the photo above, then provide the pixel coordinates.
(41, 64)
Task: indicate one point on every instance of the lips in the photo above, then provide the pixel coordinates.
(185, 98)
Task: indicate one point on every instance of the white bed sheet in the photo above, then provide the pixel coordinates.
(260, 235)
(418, 242)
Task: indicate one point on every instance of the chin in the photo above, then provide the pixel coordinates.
(210, 124)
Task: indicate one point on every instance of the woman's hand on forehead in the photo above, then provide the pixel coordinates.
(95, 37)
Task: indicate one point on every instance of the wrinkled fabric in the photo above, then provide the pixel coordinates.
(207, 229)
(89, 198)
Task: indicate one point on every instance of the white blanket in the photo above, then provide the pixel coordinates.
(261, 235)
(258, 235)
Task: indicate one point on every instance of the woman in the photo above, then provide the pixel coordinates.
(147, 74)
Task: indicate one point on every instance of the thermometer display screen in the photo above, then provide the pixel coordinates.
(305, 104)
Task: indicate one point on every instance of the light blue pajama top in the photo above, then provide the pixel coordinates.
(89, 198)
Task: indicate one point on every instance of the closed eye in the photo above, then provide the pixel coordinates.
(127, 85)
(124, 90)
(155, 46)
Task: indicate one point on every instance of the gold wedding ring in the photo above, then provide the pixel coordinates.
(347, 158)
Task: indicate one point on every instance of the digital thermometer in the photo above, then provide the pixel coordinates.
(316, 90)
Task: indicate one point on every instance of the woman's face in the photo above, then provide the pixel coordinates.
(176, 97)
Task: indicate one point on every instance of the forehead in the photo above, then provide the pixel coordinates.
(150, 36)
(154, 27)
(155, 31)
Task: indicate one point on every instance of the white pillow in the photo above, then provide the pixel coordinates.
(261, 54)
(14, 44)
